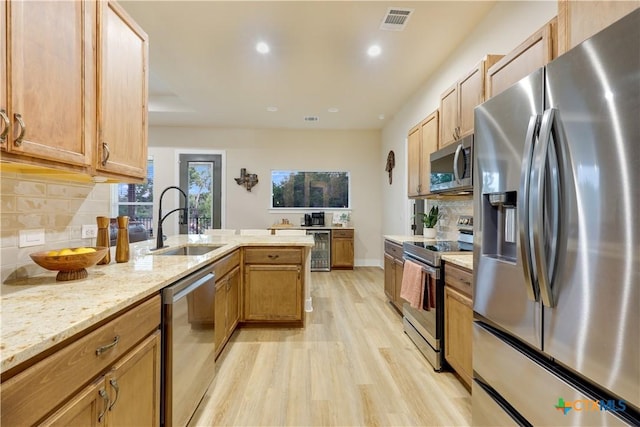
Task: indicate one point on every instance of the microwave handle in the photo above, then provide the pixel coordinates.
(456, 173)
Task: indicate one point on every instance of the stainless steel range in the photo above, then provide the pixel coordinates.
(425, 326)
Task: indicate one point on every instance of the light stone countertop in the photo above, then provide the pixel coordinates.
(39, 312)
(399, 239)
(463, 260)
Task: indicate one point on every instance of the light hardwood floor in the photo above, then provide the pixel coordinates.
(351, 365)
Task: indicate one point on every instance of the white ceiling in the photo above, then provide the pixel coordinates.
(205, 71)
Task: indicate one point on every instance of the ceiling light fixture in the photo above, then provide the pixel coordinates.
(374, 50)
(262, 48)
(333, 110)
(272, 109)
(381, 117)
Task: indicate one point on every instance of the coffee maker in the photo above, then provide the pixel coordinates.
(314, 219)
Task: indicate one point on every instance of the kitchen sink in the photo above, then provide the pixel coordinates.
(191, 250)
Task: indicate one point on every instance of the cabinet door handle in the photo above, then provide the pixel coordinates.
(272, 256)
(5, 130)
(116, 387)
(105, 398)
(106, 153)
(106, 347)
(18, 141)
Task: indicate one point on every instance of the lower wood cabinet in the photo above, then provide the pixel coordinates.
(227, 310)
(273, 285)
(342, 252)
(127, 395)
(458, 321)
(393, 272)
(120, 360)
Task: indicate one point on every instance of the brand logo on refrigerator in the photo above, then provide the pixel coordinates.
(590, 405)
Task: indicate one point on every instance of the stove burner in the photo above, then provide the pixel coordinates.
(430, 252)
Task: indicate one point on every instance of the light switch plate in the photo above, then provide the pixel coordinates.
(31, 237)
(89, 231)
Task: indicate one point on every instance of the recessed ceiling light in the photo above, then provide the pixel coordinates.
(381, 117)
(374, 50)
(272, 109)
(262, 47)
(333, 110)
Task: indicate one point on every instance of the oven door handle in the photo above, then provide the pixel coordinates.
(426, 268)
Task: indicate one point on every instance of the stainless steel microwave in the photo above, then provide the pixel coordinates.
(452, 167)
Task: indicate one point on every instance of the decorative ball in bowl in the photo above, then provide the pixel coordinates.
(70, 263)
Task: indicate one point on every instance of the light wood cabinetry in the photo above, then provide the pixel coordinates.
(126, 395)
(273, 285)
(124, 374)
(458, 321)
(122, 94)
(579, 20)
(49, 99)
(393, 272)
(227, 299)
(535, 52)
(458, 101)
(422, 141)
(342, 253)
(75, 98)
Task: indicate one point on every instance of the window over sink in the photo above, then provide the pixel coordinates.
(135, 201)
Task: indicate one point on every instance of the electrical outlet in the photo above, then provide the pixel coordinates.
(89, 231)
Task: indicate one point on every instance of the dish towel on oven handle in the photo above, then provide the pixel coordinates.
(413, 283)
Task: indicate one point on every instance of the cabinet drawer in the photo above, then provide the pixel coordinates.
(458, 278)
(31, 394)
(226, 264)
(345, 234)
(393, 249)
(272, 256)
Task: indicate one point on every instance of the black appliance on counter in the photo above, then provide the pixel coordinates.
(314, 219)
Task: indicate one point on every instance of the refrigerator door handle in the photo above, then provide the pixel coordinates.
(547, 202)
(456, 172)
(523, 208)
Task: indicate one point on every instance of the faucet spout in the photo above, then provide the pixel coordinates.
(185, 209)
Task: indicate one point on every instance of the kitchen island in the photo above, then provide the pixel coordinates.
(39, 313)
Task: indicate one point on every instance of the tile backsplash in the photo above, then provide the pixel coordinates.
(60, 207)
(446, 228)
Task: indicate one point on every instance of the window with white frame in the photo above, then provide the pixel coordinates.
(135, 201)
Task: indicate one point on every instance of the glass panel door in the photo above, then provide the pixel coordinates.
(200, 179)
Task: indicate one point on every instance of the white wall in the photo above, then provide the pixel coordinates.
(507, 25)
(260, 151)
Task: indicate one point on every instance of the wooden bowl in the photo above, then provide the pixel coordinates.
(72, 266)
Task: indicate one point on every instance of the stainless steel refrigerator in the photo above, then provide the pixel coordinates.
(556, 335)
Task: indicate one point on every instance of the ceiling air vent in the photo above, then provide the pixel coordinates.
(311, 118)
(395, 19)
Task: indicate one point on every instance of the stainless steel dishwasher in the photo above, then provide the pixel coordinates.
(188, 336)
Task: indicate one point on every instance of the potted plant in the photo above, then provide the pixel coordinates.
(429, 221)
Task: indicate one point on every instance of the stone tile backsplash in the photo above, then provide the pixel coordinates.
(446, 228)
(60, 207)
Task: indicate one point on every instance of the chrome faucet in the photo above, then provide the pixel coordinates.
(160, 238)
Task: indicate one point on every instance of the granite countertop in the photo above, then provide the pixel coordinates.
(38, 312)
(463, 260)
(399, 239)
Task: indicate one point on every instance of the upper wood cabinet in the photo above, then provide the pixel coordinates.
(535, 52)
(422, 141)
(49, 70)
(579, 20)
(75, 98)
(458, 101)
(122, 94)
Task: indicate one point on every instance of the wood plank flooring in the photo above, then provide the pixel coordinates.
(351, 365)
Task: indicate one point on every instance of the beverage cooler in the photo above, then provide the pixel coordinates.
(321, 252)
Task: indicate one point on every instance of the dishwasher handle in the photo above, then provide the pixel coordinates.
(177, 291)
